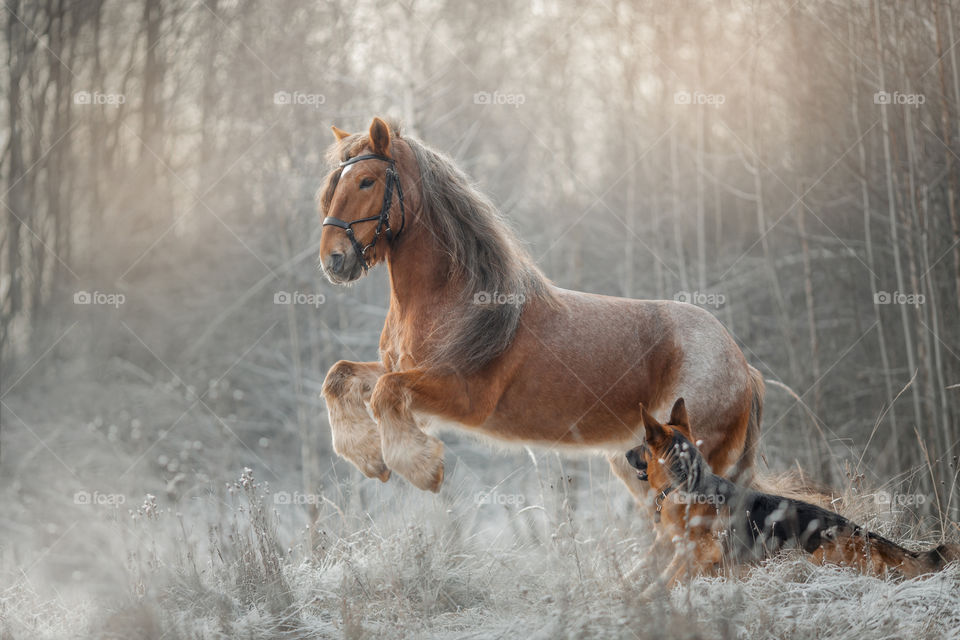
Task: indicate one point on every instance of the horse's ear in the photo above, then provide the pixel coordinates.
(380, 137)
(340, 133)
(678, 415)
(653, 430)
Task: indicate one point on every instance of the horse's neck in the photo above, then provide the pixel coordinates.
(420, 297)
(418, 271)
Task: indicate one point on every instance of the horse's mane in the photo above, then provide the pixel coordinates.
(486, 260)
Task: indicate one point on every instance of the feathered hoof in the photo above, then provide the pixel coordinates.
(425, 470)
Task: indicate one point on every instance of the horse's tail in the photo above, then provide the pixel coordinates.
(751, 440)
(794, 484)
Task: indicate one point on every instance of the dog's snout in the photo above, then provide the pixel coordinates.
(635, 458)
(335, 263)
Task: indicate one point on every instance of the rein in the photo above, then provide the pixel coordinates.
(382, 218)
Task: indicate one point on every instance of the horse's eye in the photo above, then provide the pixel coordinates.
(366, 183)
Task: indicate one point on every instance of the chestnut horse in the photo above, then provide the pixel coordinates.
(477, 337)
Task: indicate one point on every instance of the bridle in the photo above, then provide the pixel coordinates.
(382, 218)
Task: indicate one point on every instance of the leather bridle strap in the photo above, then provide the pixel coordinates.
(382, 218)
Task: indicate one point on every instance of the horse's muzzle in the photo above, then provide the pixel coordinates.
(342, 268)
(335, 262)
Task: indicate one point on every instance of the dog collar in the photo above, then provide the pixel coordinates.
(659, 501)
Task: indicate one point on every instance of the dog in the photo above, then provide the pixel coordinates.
(724, 522)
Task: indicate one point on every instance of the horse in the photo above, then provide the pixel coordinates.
(477, 338)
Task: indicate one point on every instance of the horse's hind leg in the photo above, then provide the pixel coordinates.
(347, 390)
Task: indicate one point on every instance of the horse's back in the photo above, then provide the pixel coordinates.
(583, 363)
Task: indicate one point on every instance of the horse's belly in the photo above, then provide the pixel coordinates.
(579, 427)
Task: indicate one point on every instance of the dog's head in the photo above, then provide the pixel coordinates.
(667, 458)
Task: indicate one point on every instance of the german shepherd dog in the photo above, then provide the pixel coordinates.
(725, 521)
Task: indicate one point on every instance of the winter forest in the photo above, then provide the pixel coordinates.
(166, 467)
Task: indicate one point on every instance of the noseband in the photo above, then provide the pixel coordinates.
(382, 218)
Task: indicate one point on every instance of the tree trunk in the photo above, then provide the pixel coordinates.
(948, 153)
(868, 238)
(16, 213)
(894, 231)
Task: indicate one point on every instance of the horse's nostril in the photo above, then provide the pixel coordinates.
(336, 262)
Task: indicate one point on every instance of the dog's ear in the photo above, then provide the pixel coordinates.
(654, 432)
(678, 415)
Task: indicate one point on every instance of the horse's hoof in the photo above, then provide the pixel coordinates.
(376, 468)
(430, 476)
(438, 469)
(439, 479)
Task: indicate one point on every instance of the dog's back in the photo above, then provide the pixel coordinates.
(757, 525)
(760, 524)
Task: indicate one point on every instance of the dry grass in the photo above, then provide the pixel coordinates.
(430, 567)
(212, 553)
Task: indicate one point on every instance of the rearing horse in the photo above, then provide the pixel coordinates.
(476, 336)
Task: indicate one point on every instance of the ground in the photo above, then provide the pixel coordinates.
(111, 530)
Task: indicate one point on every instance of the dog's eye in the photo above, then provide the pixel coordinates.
(366, 183)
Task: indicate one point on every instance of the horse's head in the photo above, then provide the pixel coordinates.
(362, 203)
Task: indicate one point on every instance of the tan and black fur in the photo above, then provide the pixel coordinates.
(726, 522)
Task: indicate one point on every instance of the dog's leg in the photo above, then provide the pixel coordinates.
(697, 554)
(854, 551)
(678, 567)
(709, 555)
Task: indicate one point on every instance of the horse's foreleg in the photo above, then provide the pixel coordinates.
(622, 469)
(347, 390)
(396, 399)
(640, 489)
